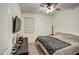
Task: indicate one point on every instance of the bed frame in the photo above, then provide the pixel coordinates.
(42, 47)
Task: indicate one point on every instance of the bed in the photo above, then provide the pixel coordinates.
(59, 44)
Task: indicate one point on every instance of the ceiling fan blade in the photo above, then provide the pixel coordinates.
(57, 9)
(54, 5)
(42, 6)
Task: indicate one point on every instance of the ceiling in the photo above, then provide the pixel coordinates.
(35, 7)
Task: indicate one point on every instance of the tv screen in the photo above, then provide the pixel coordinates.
(16, 24)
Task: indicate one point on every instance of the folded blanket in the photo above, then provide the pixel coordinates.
(52, 44)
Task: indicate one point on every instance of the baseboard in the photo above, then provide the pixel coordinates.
(7, 51)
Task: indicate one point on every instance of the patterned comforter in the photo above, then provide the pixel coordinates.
(52, 44)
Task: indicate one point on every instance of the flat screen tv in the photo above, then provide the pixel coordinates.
(16, 24)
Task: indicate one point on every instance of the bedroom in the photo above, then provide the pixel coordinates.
(36, 21)
(63, 21)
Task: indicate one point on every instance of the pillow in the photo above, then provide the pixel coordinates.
(67, 36)
(71, 37)
(58, 35)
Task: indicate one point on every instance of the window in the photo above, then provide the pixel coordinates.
(28, 25)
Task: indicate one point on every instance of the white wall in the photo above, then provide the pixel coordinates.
(7, 11)
(42, 25)
(67, 21)
(5, 28)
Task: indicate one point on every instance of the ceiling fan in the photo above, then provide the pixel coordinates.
(49, 7)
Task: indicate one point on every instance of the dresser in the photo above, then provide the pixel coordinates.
(23, 49)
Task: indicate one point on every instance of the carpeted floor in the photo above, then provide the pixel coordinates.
(34, 49)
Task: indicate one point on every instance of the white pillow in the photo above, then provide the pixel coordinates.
(67, 36)
(58, 35)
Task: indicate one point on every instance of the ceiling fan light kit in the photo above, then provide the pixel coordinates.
(50, 10)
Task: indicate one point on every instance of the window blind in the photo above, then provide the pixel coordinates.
(29, 25)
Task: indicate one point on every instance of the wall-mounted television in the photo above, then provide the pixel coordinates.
(16, 24)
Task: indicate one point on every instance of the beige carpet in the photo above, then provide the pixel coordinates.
(34, 49)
